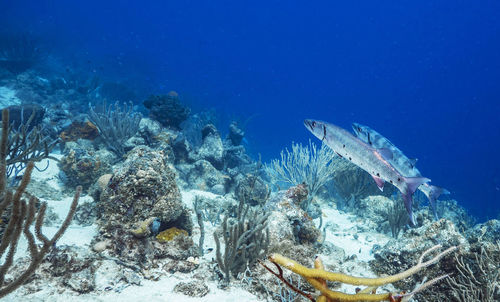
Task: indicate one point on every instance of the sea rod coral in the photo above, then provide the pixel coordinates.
(22, 215)
(318, 277)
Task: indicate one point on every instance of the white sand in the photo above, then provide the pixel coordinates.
(8, 97)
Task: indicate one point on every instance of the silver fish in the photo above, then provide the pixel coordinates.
(372, 160)
(401, 162)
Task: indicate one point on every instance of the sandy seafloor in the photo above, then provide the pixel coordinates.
(162, 290)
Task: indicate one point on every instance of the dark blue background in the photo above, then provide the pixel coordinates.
(426, 74)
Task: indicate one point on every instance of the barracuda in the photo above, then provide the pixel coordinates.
(401, 162)
(372, 160)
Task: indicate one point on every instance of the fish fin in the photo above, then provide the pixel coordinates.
(413, 162)
(412, 183)
(380, 182)
(386, 153)
(433, 196)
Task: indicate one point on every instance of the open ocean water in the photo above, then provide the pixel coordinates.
(424, 74)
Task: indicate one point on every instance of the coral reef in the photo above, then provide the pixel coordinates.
(169, 234)
(253, 190)
(211, 148)
(192, 126)
(26, 140)
(150, 177)
(287, 203)
(303, 165)
(77, 130)
(235, 135)
(116, 125)
(246, 239)
(452, 211)
(192, 289)
(202, 176)
(399, 254)
(142, 187)
(86, 213)
(318, 278)
(167, 109)
(387, 215)
(487, 231)
(82, 164)
(22, 216)
(478, 277)
(139, 202)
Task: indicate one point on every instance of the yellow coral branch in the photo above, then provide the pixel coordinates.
(317, 277)
(306, 272)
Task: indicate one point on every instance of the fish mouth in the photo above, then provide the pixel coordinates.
(356, 127)
(309, 124)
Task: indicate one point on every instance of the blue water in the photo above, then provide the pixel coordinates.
(426, 74)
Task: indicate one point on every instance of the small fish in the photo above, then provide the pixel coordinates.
(372, 160)
(403, 164)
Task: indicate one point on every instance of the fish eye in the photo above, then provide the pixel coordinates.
(314, 124)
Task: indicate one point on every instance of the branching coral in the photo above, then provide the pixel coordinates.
(246, 240)
(396, 216)
(26, 142)
(303, 164)
(116, 125)
(479, 281)
(317, 277)
(22, 215)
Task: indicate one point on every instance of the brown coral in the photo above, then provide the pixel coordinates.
(78, 130)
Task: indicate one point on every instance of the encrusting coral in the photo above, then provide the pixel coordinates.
(169, 234)
(143, 229)
(77, 130)
(317, 277)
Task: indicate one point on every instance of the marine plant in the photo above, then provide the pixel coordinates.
(116, 125)
(246, 239)
(22, 215)
(303, 164)
(26, 143)
(199, 218)
(318, 277)
(479, 279)
(395, 214)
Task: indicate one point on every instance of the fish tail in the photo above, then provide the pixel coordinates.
(434, 194)
(412, 183)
